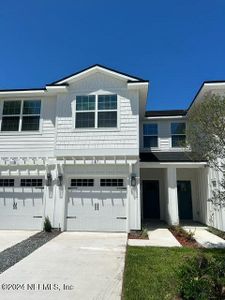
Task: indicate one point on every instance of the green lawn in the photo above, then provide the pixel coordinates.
(150, 272)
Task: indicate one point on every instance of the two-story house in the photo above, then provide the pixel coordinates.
(84, 152)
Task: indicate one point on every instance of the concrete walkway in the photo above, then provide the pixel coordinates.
(158, 237)
(9, 238)
(206, 238)
(74, 265)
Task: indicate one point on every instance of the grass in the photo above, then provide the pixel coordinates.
(151, 272)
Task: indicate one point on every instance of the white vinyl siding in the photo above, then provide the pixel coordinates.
(164, 135)
(31, 143)
(122, 140)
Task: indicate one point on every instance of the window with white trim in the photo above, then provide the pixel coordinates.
(21, 115)
(178, 134)
(150, 135)
(94, 111)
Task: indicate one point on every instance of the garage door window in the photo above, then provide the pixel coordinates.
(31, 182)
(111, 182)
(6, 182)
(82, 182)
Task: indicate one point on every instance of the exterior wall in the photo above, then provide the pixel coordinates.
(168, 178)
(22, 144)
(164, 134)
(121, 141)
(216, 213)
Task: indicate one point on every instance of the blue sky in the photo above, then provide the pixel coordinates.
(176, 44)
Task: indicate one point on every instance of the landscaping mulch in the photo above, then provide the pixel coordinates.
(14, 254)
(138, 235)
(183, 238)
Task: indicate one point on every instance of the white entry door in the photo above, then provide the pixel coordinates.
(95, 206)
(21, 203)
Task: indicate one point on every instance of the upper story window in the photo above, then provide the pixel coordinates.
(150, 135)
(21, 115)
(178, 134)
(96, 111)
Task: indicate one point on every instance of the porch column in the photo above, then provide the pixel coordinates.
(172, 199)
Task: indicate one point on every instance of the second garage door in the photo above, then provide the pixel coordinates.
(97, 205)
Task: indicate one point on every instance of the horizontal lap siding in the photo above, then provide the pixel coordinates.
(31, 144)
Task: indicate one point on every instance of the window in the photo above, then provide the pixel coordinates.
(150, 135)
(178, 134)
(92, 115)
(31, 182)
(82, 182)
(21, 115)
(107, 111)
(85, 111)
(111, 182)
(6, 182)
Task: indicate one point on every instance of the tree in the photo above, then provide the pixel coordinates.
(206, 138)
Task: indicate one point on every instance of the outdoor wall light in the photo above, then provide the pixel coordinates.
(49, 179)
(60, 180)
(133, 180)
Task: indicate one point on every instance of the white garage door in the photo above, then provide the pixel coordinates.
(21, 203)
(97, 205)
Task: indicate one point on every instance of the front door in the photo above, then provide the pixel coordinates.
(184, 199)
(151, 208)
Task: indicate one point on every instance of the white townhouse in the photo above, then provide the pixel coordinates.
(84, 152)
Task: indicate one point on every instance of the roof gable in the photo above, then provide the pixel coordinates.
(93, 69)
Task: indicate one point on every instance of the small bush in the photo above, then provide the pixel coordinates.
(183, 233)
(201, 278)
(47, 225)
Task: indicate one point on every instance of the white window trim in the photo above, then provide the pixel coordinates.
(20, 132)
(171, 135)
(96, 128)
(151, 148)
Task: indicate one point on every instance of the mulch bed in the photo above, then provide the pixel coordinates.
(14, 254)
(183, 238)
(137, 235)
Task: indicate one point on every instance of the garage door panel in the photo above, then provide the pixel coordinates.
(22, 222)
(100, 209)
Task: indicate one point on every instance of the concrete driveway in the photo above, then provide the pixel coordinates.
(71, 266)
(9, 238)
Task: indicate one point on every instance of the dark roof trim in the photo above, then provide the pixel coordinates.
(162, 113)
(167, 157)
(23, 90)
(32, 89)
(199, 90)
(101, 66)
(138, 81)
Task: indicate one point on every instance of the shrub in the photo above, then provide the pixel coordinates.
(201, 278)
(189, 235)
(47, 225)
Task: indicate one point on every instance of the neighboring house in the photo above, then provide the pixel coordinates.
(84, 152)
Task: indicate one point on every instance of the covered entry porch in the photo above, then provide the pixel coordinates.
(174, 192)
